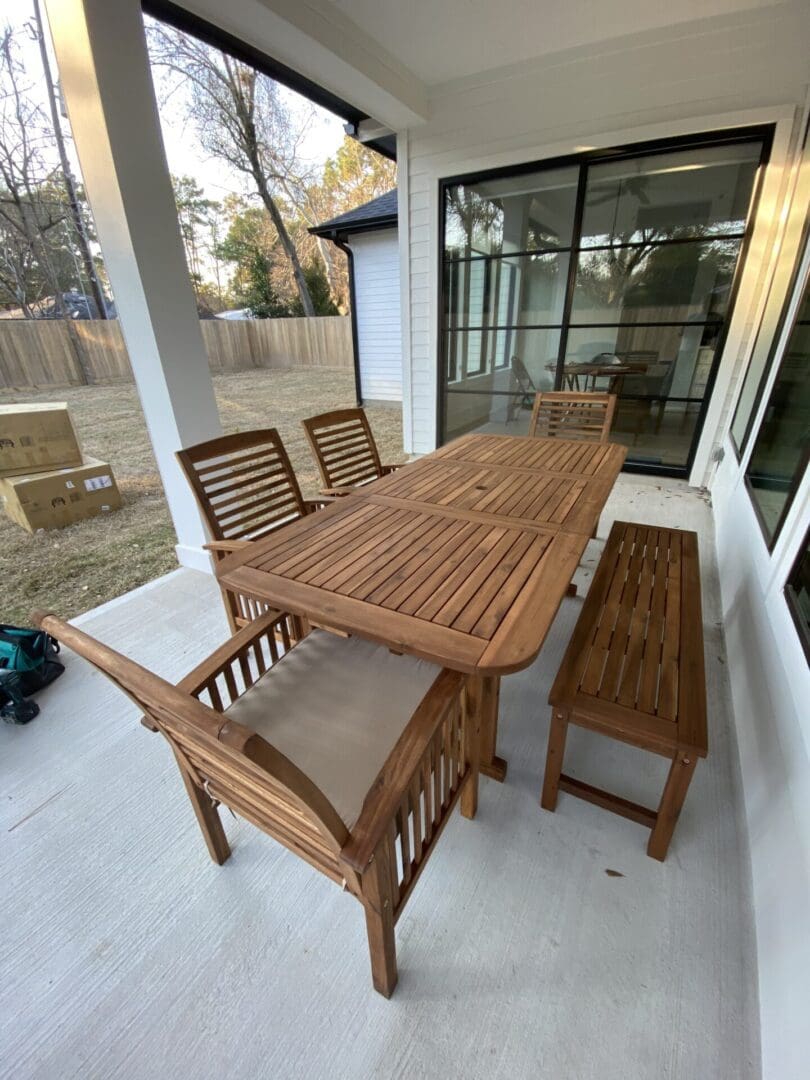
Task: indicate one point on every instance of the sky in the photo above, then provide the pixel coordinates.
(185, 156)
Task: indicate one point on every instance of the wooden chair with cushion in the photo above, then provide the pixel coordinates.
(350, 756)
(344, 450)
(568, 415)
(245, 488)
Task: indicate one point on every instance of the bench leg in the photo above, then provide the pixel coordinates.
(675, 789)
(491, 765)
(376, 884)
(554, 759)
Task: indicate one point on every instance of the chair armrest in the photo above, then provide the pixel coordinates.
(221, 548)
(233, 655)
(336, 492)
(388, 790)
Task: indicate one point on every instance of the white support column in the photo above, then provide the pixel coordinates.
(104, 69)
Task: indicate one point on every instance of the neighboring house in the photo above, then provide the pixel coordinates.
(77, 306)
(368, 236)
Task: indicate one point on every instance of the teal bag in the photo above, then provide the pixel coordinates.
(27, 664)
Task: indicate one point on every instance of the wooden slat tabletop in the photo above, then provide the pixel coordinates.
(492, 495)
(560, 456)
(462, 557)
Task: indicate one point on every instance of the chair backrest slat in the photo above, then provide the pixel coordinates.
(562, 415)
(244, 484)
(343, 447)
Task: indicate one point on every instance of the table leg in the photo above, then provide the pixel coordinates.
(491, 765)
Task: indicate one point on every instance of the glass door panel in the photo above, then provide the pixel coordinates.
(607, 275)
(506, 259)
(499, 396)
(659, 375)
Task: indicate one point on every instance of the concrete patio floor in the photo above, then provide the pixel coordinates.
(535, 945)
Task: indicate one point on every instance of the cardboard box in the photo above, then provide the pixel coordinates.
(50, 500)
(37, 438)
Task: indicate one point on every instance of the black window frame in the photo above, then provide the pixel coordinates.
(583, 161)
(790, 600)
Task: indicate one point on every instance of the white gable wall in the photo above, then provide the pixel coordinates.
(376, 287)
(722, 71)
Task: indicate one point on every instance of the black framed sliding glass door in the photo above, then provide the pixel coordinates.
(611, 272)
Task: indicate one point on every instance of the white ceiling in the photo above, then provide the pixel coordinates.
(438, 40)
(387, 57)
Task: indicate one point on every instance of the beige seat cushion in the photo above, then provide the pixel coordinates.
(335, 707)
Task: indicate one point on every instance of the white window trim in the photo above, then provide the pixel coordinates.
(773, 566)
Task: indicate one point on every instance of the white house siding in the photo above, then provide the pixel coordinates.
(376, 280)
(770, 682)
(723, 72)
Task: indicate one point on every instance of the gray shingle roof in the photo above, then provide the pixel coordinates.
(379, 213)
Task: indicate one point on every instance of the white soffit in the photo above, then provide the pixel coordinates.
(451, 39)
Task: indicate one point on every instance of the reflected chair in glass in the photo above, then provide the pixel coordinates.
(566, 415)
(351, 757)
(524, 394)
(344, 449)
(245, 488)
(647, 387)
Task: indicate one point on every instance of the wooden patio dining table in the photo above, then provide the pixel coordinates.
(461, 557)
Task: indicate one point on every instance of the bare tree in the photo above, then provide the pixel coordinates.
(241, 119)
(82, 239)
(33, 211)
(28, 210)
(355, 175)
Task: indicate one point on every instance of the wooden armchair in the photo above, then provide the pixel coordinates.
(344, 450)
(350, 756)
(568, 415)
(245, 488)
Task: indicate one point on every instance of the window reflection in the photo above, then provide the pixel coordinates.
(491, 352)
(655, 283)
(687, 194)
(781, 449)
(511, 214)
(614, 275)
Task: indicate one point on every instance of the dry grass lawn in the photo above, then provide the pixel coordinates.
(71, 570)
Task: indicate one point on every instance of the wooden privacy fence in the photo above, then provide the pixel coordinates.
(43, 352)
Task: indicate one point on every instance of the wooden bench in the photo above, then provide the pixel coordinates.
(634, 670)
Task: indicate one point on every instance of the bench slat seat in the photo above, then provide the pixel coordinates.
(634, 668)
